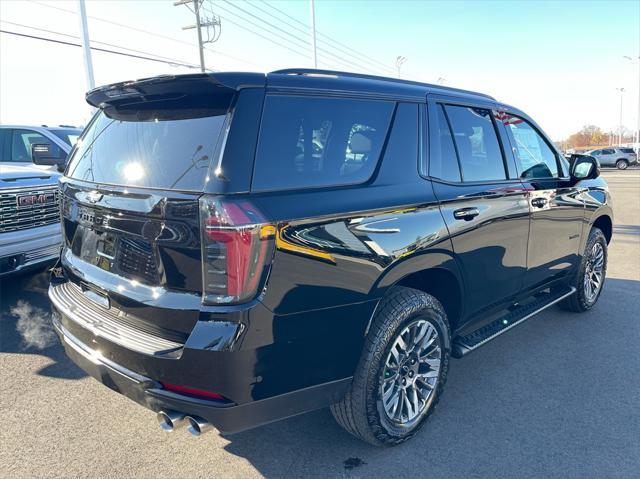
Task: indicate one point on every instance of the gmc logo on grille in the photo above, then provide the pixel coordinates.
(31, 200)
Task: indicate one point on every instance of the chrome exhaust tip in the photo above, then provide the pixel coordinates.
(197, 425)
(169, 420)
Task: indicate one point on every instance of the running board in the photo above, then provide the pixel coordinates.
(465, 344)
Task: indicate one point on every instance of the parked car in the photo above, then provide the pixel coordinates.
(16, 143)
(30, 235)
(240, 248)
(621, 158)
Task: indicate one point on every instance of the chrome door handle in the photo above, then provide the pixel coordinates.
(538, 202)
(466, 214)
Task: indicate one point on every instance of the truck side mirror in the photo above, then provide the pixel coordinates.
(47, 154)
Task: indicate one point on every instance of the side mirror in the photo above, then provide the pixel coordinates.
(584, 167)
(47, 154)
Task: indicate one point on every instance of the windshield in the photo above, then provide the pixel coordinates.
(158, 153)
(69, 136)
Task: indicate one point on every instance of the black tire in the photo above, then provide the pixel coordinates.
(622, 164)
(579, 301)
(361, 412)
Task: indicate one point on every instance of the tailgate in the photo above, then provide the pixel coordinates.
(129, 198)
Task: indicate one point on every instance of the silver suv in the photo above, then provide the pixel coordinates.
(29, 217)
(621, 157)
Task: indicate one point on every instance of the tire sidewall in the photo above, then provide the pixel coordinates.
(622, 164)
(381, 426)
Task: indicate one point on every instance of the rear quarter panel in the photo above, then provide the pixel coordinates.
(338, 251)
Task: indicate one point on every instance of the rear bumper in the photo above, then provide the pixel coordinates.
(138, 376)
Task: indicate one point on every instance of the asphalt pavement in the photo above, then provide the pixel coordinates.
(555, 397)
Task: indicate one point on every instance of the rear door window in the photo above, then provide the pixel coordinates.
(477, 143)
(312, 141)
(444, 160)
(154, 153)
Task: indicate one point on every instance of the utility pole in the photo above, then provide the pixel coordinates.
(207, 23)
(621, 90)
(86, 47)
(399, 61)
(312, 32)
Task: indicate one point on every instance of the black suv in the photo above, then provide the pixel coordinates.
(240, 248)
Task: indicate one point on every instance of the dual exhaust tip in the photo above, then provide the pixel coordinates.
(170, 420)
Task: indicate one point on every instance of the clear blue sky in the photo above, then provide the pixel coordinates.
(559, 61)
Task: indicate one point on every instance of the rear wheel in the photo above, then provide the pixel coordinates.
(402, 371)
(622, 164)
(589, 280)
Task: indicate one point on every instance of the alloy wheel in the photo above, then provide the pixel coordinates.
(411, 373)
(594, 272)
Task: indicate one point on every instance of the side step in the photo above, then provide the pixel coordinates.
(465, 344)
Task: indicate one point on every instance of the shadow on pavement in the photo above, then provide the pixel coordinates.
(555, 397)
(25, 324)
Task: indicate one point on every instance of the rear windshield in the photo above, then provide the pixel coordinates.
(311, 141)
(69, 136)
(155, 153)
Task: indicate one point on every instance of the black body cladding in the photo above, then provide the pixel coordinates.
(477, 246)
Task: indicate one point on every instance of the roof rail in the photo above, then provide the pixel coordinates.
(314, 71)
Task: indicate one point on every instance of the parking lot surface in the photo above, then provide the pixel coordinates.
(555, 397)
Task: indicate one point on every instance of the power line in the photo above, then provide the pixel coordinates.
(61, 42)
(323, 52)
(349, 62)
(305, 43)
(329, 38)
(140, 30)
(129, 27)
(170, 60)
(304, 29)
(226, 17)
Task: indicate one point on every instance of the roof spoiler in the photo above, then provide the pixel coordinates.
(171, 88)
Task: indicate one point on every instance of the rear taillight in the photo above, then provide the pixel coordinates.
(237, 247)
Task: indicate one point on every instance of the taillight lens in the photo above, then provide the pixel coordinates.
(237, 247)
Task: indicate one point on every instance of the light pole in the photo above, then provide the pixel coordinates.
(621, 90)
(86, 46)
(312, 32)
(399, 61)
(637, 133)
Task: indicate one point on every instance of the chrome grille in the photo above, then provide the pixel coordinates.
(13, 218)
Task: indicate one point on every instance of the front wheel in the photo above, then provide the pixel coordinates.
(589, 280)
(622, 164)
(402, 371)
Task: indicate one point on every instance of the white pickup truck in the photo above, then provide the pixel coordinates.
(29, 217)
